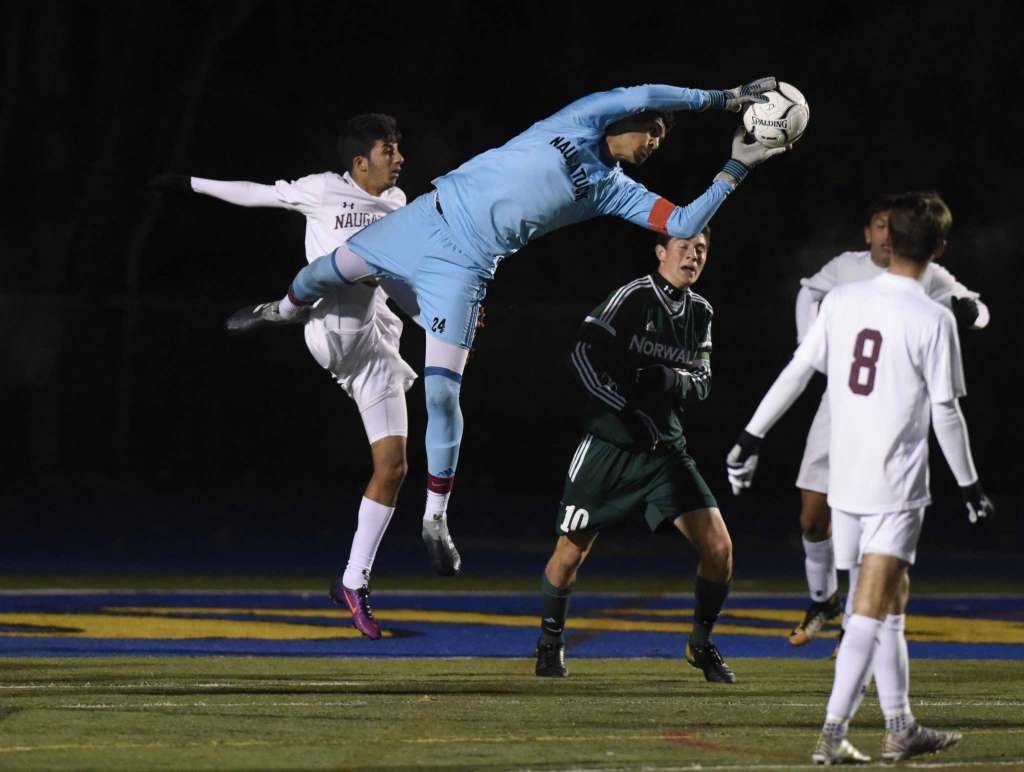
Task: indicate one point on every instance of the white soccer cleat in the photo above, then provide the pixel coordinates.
(262, 315)
(916, 742)
(443, 556)
(829, 752)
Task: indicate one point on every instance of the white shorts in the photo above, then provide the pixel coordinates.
(893, 533)
(364, 360)
(813, 474)
(386, 418)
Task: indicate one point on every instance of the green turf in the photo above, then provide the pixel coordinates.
(219, 713)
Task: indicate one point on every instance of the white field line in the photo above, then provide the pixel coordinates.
(200, 704)
(467, 593)
(168, 684)
(1016, 763)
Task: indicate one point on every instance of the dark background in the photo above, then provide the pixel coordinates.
(137, 434)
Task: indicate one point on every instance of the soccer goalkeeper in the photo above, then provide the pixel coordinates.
(446, 245)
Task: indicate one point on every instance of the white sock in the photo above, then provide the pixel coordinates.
(436, 503)
(892, 674)
(856, 655)
(851, 589)
(373, 522)
(820, 566)
(287, 308)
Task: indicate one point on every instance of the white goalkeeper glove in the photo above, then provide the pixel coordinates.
(735, 99)
(741, 463)
(747, 153)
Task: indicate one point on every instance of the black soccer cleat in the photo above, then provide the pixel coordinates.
(709, 659)
(260, 316)
(815, 617)
(551, 659)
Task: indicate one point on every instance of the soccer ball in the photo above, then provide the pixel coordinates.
(781, 120)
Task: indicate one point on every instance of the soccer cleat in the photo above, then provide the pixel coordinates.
(550, 659)
(917, 741)
(709, 659)
(357, 602)
(830, 751)
(443, 555)
(815, 617)
(263, 315)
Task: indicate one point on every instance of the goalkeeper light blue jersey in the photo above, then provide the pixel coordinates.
(557, 173)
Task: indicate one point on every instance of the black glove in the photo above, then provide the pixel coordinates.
(966, 312)
(741, 463)
(177, 183)
(655, 379)
(979, 506)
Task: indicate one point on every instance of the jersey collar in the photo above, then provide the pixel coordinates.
(672, 293)
(904, 282)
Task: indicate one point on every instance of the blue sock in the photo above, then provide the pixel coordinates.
(444, 420)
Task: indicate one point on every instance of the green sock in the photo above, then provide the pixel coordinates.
(709, 597)
(555, 608)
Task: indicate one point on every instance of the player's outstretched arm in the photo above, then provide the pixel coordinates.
(632, 201)
(951, 432)
(238, 192)
(966, 304)
(605, 107)
(742, 459)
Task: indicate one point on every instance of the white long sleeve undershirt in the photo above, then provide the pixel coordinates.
(239, 193)
(807, 301)
(780, 397)
(951, 432)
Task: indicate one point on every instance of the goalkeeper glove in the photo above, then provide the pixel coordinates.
(741, 463)
(734, 99)
(979, 506)
(966, 312)
(177, 183)
(745, 156)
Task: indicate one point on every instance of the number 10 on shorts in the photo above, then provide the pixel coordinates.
(575, 519)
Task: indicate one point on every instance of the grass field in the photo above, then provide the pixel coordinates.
(301, 713)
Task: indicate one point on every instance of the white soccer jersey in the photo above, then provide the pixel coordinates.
(362, 353)
(938, 283)
(889, 351)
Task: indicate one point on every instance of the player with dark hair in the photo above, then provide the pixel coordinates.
(641, 355)
(447, 244)
(820, 562)
(351, 333)
(892, 357)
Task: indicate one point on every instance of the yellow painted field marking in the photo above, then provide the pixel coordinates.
(168, 627)
(182, 623)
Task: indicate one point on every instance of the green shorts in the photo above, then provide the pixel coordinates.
(606, 484)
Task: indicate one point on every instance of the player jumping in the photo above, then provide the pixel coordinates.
(892, 358)
(446, 245)
(820, 562)
(352, 333)
(641, 354)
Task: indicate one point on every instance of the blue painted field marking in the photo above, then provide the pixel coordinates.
(62, 624)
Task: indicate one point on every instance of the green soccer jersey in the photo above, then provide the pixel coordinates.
(645, 323)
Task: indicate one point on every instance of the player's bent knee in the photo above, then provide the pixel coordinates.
(815, 516)
(442, 394)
